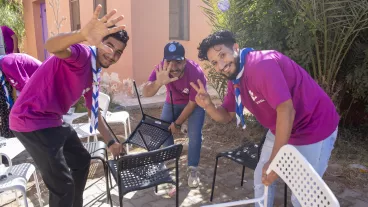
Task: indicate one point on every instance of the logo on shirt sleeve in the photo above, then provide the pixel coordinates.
(186, 91)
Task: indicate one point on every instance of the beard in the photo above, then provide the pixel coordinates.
(233, 75)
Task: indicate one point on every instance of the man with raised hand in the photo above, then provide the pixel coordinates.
(36, 117)
(176, 72)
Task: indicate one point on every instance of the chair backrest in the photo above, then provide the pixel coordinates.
(303, 180)
(103, 102)
(152, 157)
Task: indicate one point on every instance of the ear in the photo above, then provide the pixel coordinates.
(236, 47)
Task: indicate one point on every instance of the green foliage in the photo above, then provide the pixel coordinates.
(11, 13)
(326, 37)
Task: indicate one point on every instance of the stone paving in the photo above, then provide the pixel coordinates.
(227, 189)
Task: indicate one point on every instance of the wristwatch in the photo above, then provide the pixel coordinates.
(177, 126)
(111, 142)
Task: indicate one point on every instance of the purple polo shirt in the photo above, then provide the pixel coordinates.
(53, 89)
(181, 89)
(271, 78)
(18, 68)
(8, 41)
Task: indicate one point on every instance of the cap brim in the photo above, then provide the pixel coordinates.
(175, 57)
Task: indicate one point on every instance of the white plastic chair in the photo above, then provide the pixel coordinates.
(120, 117)
(17, 177)
(300, 176)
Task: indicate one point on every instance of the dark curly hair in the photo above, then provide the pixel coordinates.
(121, 35)
(218, 38)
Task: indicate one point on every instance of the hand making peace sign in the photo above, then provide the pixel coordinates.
(202, 98)
(96, 29)
(162, 73)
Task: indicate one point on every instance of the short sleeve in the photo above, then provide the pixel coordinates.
(229, 99)
(270, 82)
(80, 56)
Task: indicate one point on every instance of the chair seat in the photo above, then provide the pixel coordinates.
(140, 177)
(117, 117)
(153, 136)
(83, 130)
(96, 149)
(246, 155)
(17, 175)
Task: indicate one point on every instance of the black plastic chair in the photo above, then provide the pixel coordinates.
(246, 155)
(151, 132)
(144, 170)
(98, 151)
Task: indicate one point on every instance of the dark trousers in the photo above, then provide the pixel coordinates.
(62, 160)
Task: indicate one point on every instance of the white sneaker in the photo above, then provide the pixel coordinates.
(193, 177)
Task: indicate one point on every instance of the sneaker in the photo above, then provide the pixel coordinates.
(193, 177)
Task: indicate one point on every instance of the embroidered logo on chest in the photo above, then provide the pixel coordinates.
(186, 91)
(254, 97)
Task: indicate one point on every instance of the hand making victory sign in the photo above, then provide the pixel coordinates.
(96, 29)
(202, 98)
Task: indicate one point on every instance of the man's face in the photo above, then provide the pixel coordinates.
(225, 60)
(177, 67)
(106, 59)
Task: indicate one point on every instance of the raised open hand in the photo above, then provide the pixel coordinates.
(96, 29)
(162, 73)
(202, 98)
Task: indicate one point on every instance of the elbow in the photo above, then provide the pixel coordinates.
(145, 93)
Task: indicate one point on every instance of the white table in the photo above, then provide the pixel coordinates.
(12, 148)
(69, 118)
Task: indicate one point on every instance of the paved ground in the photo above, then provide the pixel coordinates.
(227, 183)
(227, 189)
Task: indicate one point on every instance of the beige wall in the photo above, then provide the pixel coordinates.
(147, 24)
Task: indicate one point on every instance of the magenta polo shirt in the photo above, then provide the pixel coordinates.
(8, 41)
(271, 78)
(18, 68)
(53, 89)
(181, 89)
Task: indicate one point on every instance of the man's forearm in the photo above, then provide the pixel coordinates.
(63, 41)
(151, 88)
(284, 125)
(103, 128)
(187, 111)
(219, 114)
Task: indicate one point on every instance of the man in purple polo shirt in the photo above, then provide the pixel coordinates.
(8, 41)
(280, 94)
(36, 118)
(176, 72)
(15, 71)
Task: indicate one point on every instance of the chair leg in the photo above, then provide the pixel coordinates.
(177, 184)
(38, 188)
(156, 189)
(214, 179)
(108, 200)
(242, 178)
(285, 195)
(24, 197)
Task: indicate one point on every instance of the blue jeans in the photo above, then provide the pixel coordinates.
(195, 124)
(317, 154)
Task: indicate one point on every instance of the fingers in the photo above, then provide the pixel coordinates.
(114, 21)
(196, 88)
(201, 86)
(97, 11)
(105, 48)
(169, 66)
(164, 66)
(108, 15)
(116, 29)
(174, 79)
